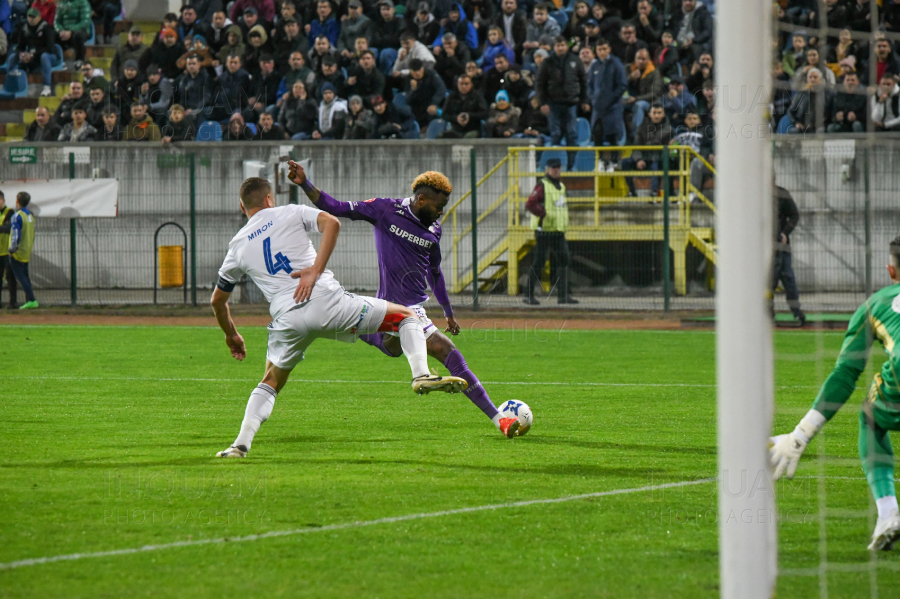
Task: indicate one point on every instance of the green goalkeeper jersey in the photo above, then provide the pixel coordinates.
(878, 318)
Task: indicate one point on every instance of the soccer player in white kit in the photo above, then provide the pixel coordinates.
(273, 249)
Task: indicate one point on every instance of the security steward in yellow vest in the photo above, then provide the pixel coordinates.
(549, 219)
(21, 241)
(6, 214)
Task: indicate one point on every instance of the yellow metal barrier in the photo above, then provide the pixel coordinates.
(609, 190)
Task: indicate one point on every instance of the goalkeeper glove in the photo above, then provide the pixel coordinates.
(786, 449)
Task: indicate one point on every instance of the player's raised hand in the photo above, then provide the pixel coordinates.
(308, 278)
(452, 326)
(236, 345)
(296, 174)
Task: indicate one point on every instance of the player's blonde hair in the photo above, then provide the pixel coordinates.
(435, 180)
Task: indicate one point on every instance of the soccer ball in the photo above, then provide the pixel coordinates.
(518, 409)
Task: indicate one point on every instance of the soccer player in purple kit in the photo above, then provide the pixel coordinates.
(407, 239)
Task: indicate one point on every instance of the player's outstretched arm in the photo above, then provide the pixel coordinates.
(362, 211)
(233, 339)
(330, 227)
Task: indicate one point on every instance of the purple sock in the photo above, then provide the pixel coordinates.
(457, 366)
(375, 339)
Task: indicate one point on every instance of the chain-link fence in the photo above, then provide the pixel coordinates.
(845, 190)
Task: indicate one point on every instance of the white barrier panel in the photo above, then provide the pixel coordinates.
(66, 198)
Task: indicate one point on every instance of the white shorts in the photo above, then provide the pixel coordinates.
(427, 325)
(341, 316)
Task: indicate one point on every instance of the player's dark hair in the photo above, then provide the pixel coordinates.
(254, 191)
(895, 252)
(24, 198)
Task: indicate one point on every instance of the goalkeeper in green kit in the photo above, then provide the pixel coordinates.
(878, 318)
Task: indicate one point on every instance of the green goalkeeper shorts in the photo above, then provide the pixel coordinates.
(884, 412)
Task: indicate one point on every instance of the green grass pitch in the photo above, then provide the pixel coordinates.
(108, 438)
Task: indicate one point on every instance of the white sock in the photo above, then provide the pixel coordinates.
(259, 408)
(496, 419)
(886, 505)
(412, 340)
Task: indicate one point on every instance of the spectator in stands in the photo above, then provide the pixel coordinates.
(807, 111)
(451, 59)
(190, 26)
(464, 110)
(237, 129)
(781, 93)
(476, 75)
(885, 105)
(193, 90)
(495, 46)
(200, 49)
(859, 15)
(234, 44)
(518, 84)
(164, 52)
(691, 134)
(250, 19)
(480, 13)
(233, 91)
(591, 36)
(706, 102)
(890, 15)
(677, 102)
(575, 25)
(288, 11)
(365, 79)
(460, 27)
(586, 56)
(693, 29)
(330, 74)
(78, 129)
(156, 93)
(644, 86)
(289, 41)
(332, 115)
(843, 49)
(847, 112)
(386, 35)
(106, 12)
(812, 62)
(265, 87)
(268, 130)
(654, 131)
(47, 8)
(111, 130)
(360, 122)
(299, 114)
(298, 71)
(141, 127)
(325, 23)
(667, 57)
(391, 121)
(351, 60)
(127, 89)
(92, 76)
(701, 71)
(886, 62)
(561, 88)
(648, 23)
(42, 128)
(539, 26)
(606, 83)
(99, 103)
(356, 24)
(132, 49)
(73, 26)
(503, 120)
(75, 97)
(796, 56)
(321, 49)
(217, 34)
(627, 44)
(422, 24)
(265, 9)
(258, 45)
(411, 49)
(494, 79)
(34, 38)
(534, 122)
(610, 22)
(178, 127)
(425, 92)
(549, 219)
(513, 27)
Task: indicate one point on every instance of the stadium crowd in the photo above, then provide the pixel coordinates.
(367, 69)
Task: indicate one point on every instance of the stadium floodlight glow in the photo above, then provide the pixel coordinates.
(747, 527)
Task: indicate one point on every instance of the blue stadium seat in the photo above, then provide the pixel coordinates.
(435, 128)
(93, 39)
(416, 132)
(783, 124)
(584, 132)
(60, 61)
(548, 154)
(561, 17)
(252, 128)
(209, 131)
(15, 86)
(400, 100)
(584, 161)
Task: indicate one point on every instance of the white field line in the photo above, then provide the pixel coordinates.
(367, 382)
(300, 531)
